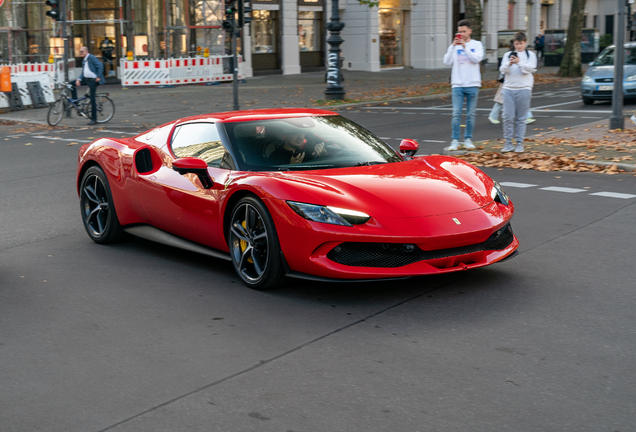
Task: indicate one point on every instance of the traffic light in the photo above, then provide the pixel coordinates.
(230, 9)
(244, 13)
(230, 12)
(55, 10)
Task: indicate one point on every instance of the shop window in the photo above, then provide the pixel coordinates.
(263, 31)
(309, 28)
(391, 28)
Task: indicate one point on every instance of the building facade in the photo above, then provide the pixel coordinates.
(285, 36)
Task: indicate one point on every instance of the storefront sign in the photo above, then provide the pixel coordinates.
(311, 2)
(265, 1)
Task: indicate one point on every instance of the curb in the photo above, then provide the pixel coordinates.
(623, 166)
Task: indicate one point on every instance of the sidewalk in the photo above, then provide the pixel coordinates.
(576, 148)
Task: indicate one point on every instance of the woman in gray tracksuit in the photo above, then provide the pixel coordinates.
(518, 66)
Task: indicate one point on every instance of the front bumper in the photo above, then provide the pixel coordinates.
(397, 247)
(599, 91)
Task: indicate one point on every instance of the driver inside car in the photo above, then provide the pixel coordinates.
(293, 151)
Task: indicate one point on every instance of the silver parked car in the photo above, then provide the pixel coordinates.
(598, 81)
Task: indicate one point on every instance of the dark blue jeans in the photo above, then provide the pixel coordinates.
(92, 87)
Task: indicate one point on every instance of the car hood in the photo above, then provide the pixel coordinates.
(420, 187)
(608, 71)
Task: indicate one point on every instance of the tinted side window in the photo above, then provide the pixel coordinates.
(200, 140)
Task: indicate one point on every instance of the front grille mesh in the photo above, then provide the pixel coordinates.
(388, 255)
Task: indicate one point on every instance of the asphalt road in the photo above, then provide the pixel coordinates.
(143, 337)
(553, 106)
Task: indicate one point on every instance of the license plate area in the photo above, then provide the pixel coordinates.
(605, 87)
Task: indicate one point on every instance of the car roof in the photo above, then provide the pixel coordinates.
(257, 114)
(625, 45)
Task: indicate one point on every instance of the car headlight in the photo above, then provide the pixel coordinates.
(497, 193)
(328, 214)
(631, 78)
(587, 79)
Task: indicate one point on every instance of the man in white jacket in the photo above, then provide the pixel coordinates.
(465, 56)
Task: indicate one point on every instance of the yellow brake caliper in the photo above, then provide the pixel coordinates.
(243, 244)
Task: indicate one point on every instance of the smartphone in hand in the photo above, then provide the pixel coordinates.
(514, 54)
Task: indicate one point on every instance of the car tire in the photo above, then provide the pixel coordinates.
(97, 207)
(254, 245)
(588, 101)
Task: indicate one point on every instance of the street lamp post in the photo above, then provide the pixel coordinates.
(334, 90)
(617, 121)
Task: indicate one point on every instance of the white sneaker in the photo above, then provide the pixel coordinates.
(530, 120)
(468, 144)
(507, 148)
(519, 148)
(454, 145)
(493, 120)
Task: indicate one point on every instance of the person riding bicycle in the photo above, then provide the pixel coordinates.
(92, 75)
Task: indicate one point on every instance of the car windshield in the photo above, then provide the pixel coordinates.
(606, 58)
(306, 143)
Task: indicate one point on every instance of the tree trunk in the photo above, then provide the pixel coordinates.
(571, 63)
(474, 14)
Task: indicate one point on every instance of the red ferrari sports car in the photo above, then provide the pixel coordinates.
(294, 192)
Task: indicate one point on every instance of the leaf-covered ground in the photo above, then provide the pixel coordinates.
(562, 153)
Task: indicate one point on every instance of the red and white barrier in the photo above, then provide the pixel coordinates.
(54, 70)
(175, 71)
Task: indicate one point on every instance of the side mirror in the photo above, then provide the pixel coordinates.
(590, 64)
(195, 166)
(409, 147)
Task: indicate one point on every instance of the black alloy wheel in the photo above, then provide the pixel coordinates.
(254, 245)
(98, 211)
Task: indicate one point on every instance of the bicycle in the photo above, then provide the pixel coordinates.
(64, 104)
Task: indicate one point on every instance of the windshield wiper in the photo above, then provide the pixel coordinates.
(303, 167)
(370, 163)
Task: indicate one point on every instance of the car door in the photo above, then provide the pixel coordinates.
(179, 203)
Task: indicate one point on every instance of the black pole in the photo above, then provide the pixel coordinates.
(235, 65)
(64, 41)
(334, 91)
(617, 121)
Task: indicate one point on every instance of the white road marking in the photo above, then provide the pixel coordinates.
(435, 141)
(116, 132)
(562, 189)
(559, 104)
(613, 195)
(61, 139)
(564, 116)
(593, 117)
(571, 111)
(537, 109)
(517, 185)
